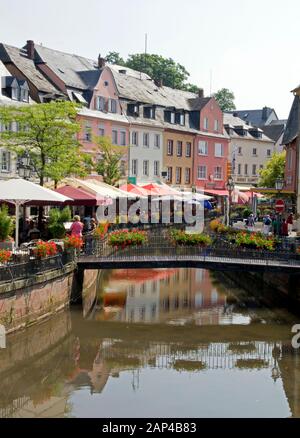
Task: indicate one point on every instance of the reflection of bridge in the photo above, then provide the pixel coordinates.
(160, 253)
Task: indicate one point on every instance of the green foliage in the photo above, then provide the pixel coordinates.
(6, 223)
(273, 170)
(225, 99)
(48, 132)
(56, 221)
(246, 212)
(171, 73)
(124, 238)
(109, 164)
(182, 238)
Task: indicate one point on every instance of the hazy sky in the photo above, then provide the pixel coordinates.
(251, 47)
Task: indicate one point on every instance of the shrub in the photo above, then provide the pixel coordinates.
(6, 223)
(255, 241)
(56, 221)
(246, 212)
(45, 249)
(5, 255)
(214, 224)
(185, 239)
(123, 238)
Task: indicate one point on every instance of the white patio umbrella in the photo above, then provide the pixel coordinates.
(196, 196)
(20, 191)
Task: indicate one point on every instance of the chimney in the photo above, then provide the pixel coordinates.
(101, 61)
(30, 49)
(201, 93)
(158, 82)
(265, 113)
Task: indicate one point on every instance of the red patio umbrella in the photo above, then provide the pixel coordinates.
(134, 189)
(157, 189)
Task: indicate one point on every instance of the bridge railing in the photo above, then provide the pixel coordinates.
(159, 246)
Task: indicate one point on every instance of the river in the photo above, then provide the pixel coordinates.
(157, 343)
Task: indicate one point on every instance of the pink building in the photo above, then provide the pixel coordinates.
(211, 146)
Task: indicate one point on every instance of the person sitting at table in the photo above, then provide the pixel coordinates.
(33, 233)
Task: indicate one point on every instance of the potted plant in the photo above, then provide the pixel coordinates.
(57, 218)
(5, 256)
(44, 249)
(6, 228)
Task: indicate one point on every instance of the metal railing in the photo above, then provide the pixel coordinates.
(27, 266)
(160, 247)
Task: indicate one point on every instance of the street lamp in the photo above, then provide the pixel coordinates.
(230, 188)
(24, 168)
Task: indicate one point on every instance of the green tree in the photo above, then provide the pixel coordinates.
(225, 99)
(171, 73)
(273, 170)
(108, 165)
(6, 223)
(48, 132)
(114, 58)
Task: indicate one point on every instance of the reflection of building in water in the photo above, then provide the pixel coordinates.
(155, 295)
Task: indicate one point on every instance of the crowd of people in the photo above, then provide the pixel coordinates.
(278, 224)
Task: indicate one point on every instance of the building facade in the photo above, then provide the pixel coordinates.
(249, 150)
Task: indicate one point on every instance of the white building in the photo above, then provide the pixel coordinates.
(249, 150)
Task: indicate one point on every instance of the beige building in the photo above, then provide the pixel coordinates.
(249, 150)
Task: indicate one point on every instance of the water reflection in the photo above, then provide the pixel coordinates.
(159, 343)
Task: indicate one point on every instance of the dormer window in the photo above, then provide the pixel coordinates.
(24, 95)
(149, 112)
(133, 109)
(15, 93)
(112, 105)
(180, 118)
(100, 103)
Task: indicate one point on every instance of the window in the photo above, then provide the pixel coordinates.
(172, 117)
(180, 119)
(187, 175)
(254, 152)
(169, 174)
(289, 159)
(123, 168)
(261, 166)
(170, 147)
(146, 167)
(179, 149)
(149, 112)
(88, 132)
(202, 148)
(253, 169)
(201, 172)
(123, 138)
(114, 136)
(134, 167)
(135, 138)
(188, 149)
(112, 106)
(178, 175)
(246, 169)
(24, 95)
(268, 152)
(132, 109)
(100, 103)
(146, 139)
(218, 172)
(219, 150)
(15, 93)
(156, 168)
(5, 161)
(157, 141)
(205, 123)
(216, 125)
(239, 169)
(240, 150)
(101, 131)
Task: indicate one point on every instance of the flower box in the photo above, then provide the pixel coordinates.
(7, 244)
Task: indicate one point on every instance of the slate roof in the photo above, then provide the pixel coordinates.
(255, 117)
(274, 131)
(132, 87)
(293, 123)
(234, 122)
(19, 58)
(75, 71)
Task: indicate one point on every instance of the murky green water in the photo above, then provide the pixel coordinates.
(159, 343)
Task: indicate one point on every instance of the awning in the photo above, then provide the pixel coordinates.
(217, 192)
(131, 188)
(80, 197)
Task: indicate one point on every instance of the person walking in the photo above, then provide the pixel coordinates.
(267, 224)
(251, 222)
(284, 228)
(290, 221)
(76, 227)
